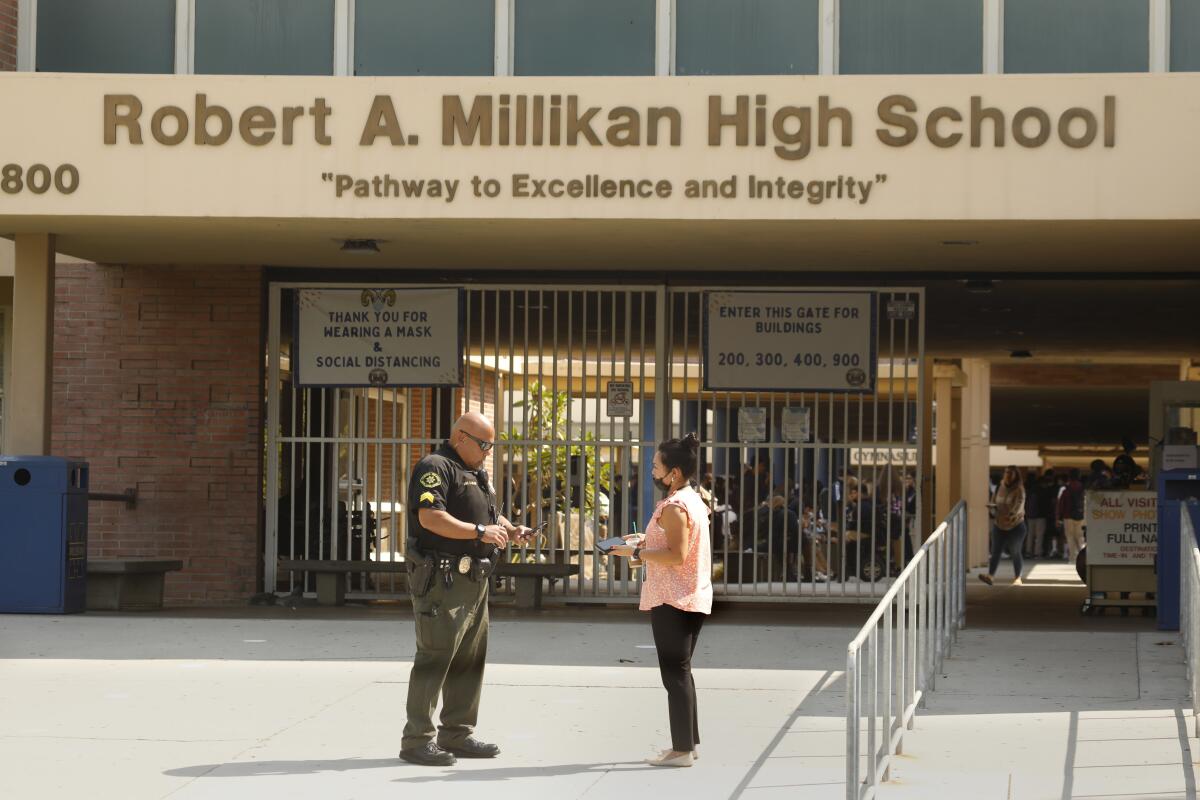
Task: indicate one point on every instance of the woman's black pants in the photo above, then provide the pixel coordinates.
(675, 635)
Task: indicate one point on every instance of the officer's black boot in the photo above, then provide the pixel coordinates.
(428, 755)
(472, 748)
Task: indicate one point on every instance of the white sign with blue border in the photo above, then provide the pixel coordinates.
(790, 341)
(372, 336)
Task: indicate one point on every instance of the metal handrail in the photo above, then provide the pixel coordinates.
(918, 620)
(1189, 604)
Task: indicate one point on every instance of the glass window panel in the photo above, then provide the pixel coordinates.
(584, 37)
(910, 37)
(264, 37)
(1185, 36)
(746, 37)
(1076, 35)
(424, 37)
(106, 36)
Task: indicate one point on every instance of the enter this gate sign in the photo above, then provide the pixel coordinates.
(790, 341)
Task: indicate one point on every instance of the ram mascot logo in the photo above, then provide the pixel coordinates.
(378, 298)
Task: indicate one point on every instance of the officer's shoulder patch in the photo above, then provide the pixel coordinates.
(431, 480)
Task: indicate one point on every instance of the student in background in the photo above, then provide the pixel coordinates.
(1008, 530)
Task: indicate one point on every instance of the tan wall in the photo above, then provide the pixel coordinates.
(1139, 165)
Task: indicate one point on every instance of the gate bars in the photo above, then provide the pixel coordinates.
(785, 525)
(538, 361)
(917, 620)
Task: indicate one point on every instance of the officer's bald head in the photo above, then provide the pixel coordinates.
(468, 430)
(477, 424)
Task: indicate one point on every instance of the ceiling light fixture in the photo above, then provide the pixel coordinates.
(980, 285)
(360, 246)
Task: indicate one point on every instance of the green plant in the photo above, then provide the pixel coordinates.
(546, 413)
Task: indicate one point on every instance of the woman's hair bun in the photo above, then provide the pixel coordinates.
(692, 441)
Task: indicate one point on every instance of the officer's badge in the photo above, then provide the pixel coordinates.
(426, 497)
(431, 480)
(464, 565)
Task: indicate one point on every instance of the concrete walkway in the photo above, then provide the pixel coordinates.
(266, 703)
(1044, 716)
(193, 707)
(1052, 715)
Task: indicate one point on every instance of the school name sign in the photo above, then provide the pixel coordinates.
(916, 147)
(378, 337)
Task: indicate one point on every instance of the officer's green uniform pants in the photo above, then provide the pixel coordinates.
(452, 632)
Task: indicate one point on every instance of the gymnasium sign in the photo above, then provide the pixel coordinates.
(789, 341)
(378, 337)
(1122, 527)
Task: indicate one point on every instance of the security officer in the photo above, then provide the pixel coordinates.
(457, 532)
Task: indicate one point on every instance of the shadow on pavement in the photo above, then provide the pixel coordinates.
(248, 769)
(517, 773)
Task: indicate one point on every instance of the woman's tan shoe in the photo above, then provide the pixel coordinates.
(670, 758)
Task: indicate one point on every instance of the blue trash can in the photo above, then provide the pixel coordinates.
(43, 535)
(1176, 487)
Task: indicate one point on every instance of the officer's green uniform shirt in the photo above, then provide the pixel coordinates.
(442, 481)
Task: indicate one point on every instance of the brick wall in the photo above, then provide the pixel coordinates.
(8, 35)
(157, 384)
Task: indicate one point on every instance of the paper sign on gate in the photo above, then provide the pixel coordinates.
(752, 424)
(1122, 527)
(620, 398)
(795, 424)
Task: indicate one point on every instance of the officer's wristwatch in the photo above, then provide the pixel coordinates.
(479, 531)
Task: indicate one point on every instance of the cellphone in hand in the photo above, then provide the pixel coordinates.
(606, 545)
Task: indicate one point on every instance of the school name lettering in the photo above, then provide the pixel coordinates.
(791, 130)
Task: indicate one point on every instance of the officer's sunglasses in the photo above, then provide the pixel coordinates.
(484, 444)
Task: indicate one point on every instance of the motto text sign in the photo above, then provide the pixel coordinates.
(378, 337)
(789, 341)
(1122, 528)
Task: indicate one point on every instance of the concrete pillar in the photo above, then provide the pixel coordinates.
(1189, 370)
(6, 339)
(28, 396)
(976, 441)
(948, 380)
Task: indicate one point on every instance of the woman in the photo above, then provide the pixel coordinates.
(677, 590)
(1008, 531)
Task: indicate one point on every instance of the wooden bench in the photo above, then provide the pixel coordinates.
(127, 584)
(529, 579)
(331, 575)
